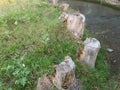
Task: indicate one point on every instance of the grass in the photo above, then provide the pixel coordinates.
(32, 40)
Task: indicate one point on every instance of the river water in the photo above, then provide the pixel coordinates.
(105, 23)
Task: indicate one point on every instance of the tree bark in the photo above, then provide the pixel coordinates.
(75, 23)
(90, 51)
(44, 83)
(64, 7)
(65, 74)
(64, 78)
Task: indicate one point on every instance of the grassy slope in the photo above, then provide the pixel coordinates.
(32, 40)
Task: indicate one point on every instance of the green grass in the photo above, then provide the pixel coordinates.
(32, 40)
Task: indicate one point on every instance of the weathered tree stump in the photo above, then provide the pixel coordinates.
(90, 51)
(64, 78)
(75, 23)
(65, 74)
(54, 2)
(64, 7)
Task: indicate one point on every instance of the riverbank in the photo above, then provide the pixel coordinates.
(103, 22)
(106, 21)
(33, 40)
(103, 3)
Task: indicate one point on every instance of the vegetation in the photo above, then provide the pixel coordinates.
(32, 40)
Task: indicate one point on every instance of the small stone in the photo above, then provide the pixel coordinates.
(109, 50)
(114, 61)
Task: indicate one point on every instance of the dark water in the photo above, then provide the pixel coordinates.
(105, 23)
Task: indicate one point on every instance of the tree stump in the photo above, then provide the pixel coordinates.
(64, 7)
(65, 74)
(44, 83)
(54, 2)
(75, 23)
(63, 79)
(90, 51)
